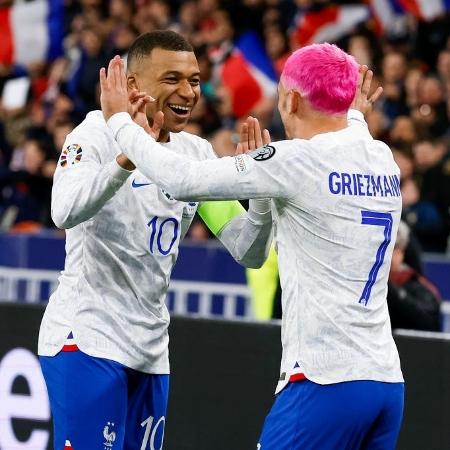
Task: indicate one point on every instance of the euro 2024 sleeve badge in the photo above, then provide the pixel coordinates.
(71, 155)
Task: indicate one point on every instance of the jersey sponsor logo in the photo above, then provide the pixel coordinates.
(68, 445)
(364, 185)
(71, 155)
(109, 435)
(138, 185)
(263, 153)
(239, 163)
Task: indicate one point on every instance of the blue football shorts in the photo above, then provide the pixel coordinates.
(100, 404)
(355, 415)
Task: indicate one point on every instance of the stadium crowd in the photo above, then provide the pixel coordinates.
(411, 61)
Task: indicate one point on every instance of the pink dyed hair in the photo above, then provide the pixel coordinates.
(325, 75)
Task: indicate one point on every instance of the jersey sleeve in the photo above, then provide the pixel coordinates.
(355, 118)
(245, 234)
(81, 183)
(266, 173)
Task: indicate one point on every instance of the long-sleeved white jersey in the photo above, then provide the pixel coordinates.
(122, 241)
(336, 207)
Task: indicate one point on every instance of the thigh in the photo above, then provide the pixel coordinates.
(309, 416)
(385, 431)
(88, 399)
(146, 415)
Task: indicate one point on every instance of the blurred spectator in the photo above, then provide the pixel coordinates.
(393, 75)
(413, 302)
(431, 112)
(422, 217)
(403, 132)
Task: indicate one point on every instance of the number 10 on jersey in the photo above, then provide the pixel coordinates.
(158, 227)
(381, 220)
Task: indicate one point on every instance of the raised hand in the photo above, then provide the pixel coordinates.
(251, 136)
(362, 102)
(113, 85)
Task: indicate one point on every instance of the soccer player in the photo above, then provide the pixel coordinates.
(336, 206)
(103, 342)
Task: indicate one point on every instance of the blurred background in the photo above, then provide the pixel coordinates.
(50, 54)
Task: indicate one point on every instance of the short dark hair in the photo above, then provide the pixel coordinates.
(164, 39)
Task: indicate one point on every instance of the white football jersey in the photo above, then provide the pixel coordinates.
(122, 239)
(336, 208)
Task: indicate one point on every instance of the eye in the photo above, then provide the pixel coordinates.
(171, 80)
(195, 82)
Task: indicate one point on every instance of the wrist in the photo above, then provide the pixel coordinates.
(125, 163)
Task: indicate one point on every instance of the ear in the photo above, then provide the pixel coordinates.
(294, 99)
(132, 82)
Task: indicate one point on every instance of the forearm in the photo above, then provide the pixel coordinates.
(248, 237)
(78, 196)
(184, 179)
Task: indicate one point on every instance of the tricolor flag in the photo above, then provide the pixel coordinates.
(328, 24)
(389, 15)
(248, 73)
(426, 9)
(31, 31)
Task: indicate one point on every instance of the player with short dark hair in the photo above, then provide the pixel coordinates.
(336, 204)
(103, 342)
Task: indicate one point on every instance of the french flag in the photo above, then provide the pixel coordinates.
(70, 345)
(388, 14)
(248, 73)
(31, 31)
(426, 9)
(328, 24)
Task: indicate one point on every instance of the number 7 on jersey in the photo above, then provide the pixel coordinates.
(382, 220)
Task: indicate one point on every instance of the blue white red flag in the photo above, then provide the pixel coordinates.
(31, 31)
(328, 24)
(426, 9)
(248, 73)
(388, 14)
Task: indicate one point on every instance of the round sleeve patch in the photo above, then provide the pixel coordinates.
(264, 153)
(71, 155)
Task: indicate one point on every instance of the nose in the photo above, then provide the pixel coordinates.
(186, 90)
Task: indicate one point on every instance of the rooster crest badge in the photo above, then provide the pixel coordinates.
(109, 435)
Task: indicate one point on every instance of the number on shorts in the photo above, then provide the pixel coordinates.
(150, 434)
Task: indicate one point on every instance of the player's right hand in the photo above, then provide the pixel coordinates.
(251, 136)
(362, 102)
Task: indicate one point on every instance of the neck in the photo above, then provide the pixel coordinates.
(306, 128)
(163, 136)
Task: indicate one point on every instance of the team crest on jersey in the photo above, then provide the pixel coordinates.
(71, 155)
(109, 435)
(263, 153)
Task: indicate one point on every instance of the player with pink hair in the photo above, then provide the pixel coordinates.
(336, 207)
(325, 75)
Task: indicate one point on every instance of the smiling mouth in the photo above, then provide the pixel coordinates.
(180, 110)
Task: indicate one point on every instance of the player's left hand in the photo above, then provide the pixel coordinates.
(362, 102)
(251, 136)
(113, 84)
